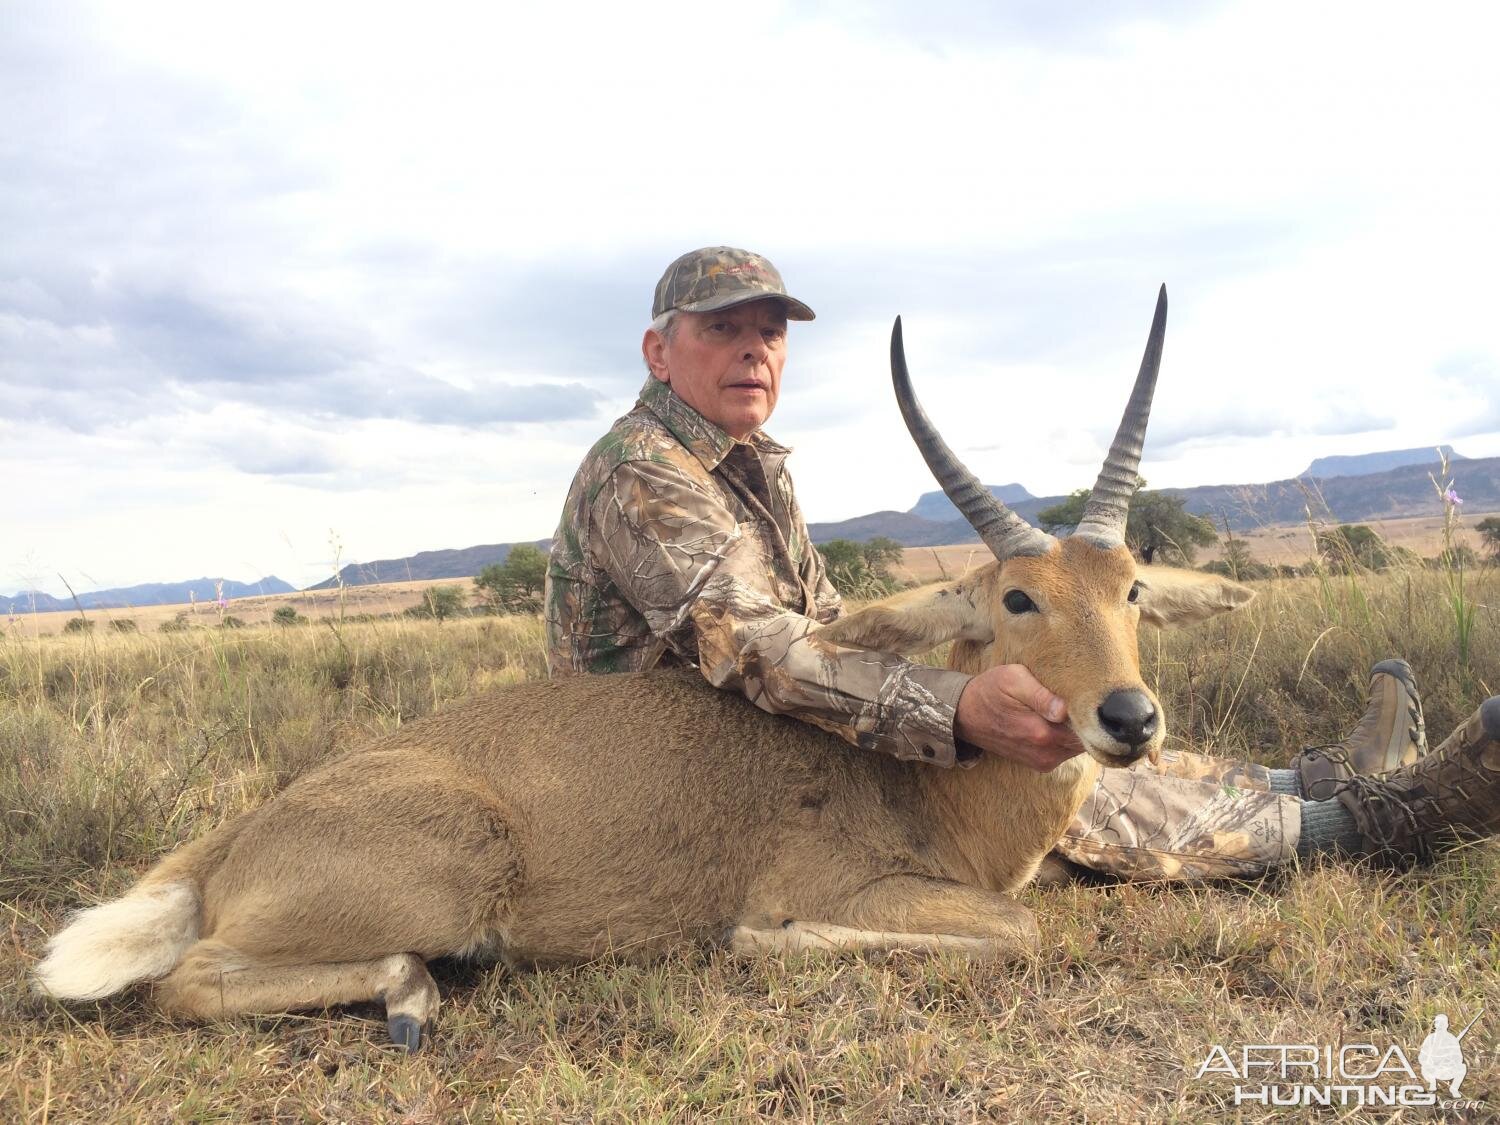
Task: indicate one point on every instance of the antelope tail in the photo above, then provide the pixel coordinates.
(141, 936)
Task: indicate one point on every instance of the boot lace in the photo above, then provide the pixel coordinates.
(1389, 822)
(1335, 752)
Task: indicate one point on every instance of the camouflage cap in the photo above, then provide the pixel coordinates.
(719, 277)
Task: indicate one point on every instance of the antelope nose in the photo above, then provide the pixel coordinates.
(1128, 717)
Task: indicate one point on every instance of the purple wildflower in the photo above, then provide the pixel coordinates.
(1452, 497)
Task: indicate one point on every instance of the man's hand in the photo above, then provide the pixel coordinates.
(1005, 711)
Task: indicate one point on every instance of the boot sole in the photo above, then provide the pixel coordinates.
(1489, 717)
(1400, 669)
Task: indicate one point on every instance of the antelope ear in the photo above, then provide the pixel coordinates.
(1177, 597)
(917, 620)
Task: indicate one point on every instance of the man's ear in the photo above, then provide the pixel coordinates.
(654, 351)
(917, 620)
(1176, 597)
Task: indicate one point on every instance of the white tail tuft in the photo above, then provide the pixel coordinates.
(111, 946)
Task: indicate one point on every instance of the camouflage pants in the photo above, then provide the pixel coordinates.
(1185, 817)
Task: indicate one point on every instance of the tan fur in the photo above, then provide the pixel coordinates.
(1082, 642)
(920, 619)
(569, 819)
(1175, 597)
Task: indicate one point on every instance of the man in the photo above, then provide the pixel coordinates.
(681, 542)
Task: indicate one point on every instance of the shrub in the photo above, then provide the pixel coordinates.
(861, 570)
(1352, 547)
(123, 625)
(1489, 536)
(1458, 556)
(440, 602)
(178, 624)
(78, 625)
(287, 615)
(1238, 564)
(229, 621)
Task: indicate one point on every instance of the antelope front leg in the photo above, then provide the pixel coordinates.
(903, 912)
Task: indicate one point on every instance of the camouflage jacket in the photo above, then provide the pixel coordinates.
(679, 544)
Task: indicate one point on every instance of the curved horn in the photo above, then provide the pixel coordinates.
(1109, 502)
(1004, 533)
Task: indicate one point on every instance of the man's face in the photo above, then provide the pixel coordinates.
(725, 365)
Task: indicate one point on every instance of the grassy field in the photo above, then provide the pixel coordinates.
(1421, 534)
(1281, 543)
(376, 599)
(115, 748)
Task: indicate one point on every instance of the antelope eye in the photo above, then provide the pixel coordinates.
(1017, 602)
(1135, 593)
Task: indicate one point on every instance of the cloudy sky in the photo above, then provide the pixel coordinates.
(281, 283)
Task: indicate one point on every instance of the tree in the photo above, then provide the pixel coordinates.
(862, 570)
(1064, 517)
(1238, 564)
(882, 553)
(1489, 536)
(515, 586)
(1158, 529)
(440, 602)
(1161, 525)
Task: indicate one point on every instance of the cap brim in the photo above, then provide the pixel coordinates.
(795, 309)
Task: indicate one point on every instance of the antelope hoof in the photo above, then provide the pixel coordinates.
(411, 1000)
(406, 1033)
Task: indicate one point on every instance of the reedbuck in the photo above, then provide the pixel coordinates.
(623, 814)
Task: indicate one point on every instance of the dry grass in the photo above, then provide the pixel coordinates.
(113, 749)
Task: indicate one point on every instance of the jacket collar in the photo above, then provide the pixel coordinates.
(707, 441)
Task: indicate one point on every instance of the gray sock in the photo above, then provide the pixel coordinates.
(1327, 827)
(1288, 782)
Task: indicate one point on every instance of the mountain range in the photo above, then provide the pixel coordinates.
(1362, 463)
(462, 563)
(1373, 486)
(1393, 494)
(937, 507)
(151, 593)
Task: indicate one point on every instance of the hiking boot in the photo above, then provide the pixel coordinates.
(1391, 734)
(1451, 795)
